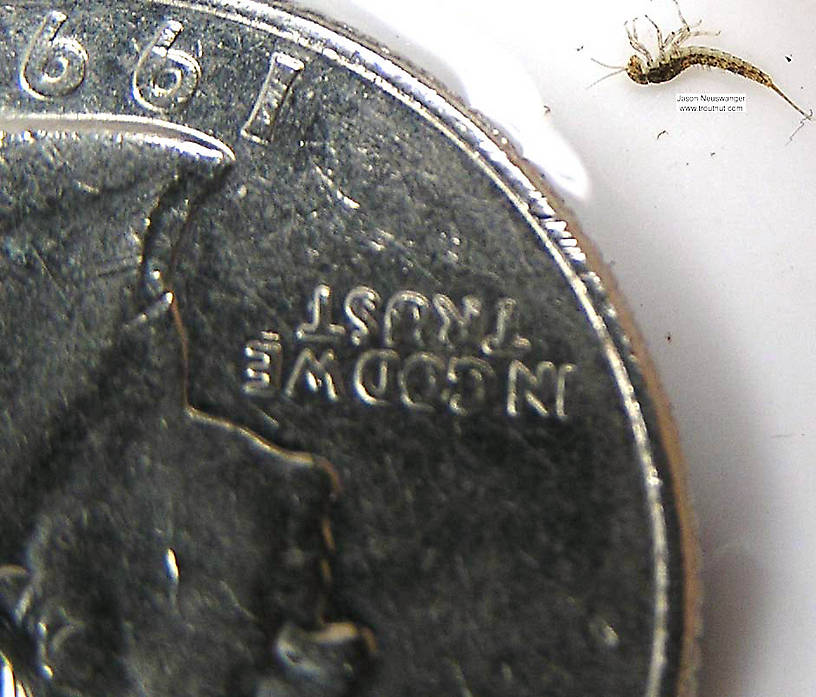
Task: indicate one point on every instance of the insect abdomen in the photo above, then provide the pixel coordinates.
(707, 57)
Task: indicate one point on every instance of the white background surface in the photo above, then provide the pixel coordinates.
(711, 233)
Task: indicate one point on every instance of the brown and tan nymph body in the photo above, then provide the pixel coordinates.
(673, 58)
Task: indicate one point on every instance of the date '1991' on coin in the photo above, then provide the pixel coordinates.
(309, 388)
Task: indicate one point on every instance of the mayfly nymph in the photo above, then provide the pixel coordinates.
(673, 58)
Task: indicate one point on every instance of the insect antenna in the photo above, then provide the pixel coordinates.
(606, 65)
(616, 68)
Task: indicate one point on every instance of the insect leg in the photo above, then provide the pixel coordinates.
(661, 46)
(687, 30)
(634, 42)
(687, 33)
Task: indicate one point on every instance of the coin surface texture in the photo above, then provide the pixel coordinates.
(309, 387)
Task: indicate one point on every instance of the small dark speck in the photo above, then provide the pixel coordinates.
(547, 109)
(668, 337)
(789, 58)
(686, 164)
(712, 154)
(581, 48)
(664, 132)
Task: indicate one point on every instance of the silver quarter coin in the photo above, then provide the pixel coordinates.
(310, 385)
